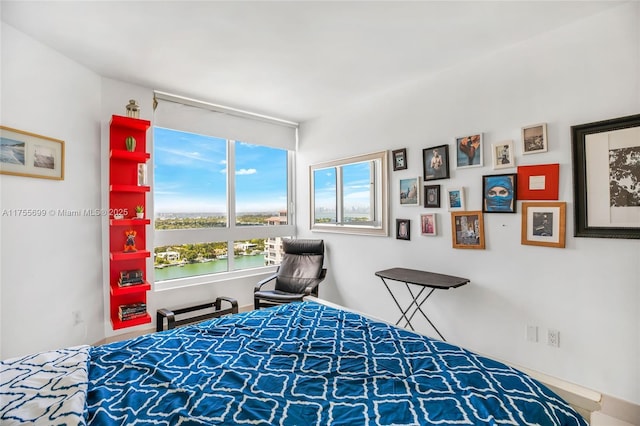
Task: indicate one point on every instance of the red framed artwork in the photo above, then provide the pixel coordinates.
(538, 182)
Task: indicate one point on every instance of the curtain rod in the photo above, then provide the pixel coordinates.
(220, 108)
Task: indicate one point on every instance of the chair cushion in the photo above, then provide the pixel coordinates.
(297, 272)
(301, 246)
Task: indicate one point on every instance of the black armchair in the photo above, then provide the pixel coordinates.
(298, 275)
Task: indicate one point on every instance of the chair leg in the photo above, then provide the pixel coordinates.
(256, 303)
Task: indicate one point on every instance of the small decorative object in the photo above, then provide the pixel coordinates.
(469, 151)
(142, 174)
(118, 216)
(467, 230)
(130, 143)
(133, 110)
(499, 193)
(432, 196)
(543, 224)
(428, 222)
(140, 212)
(130, 244)
(435, 162)
(503, 155)
(409, 193)
(399, 159)
(403, 229)
(534, 138)
(455, 199)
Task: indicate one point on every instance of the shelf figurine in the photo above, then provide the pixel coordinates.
(130, 244)
(140, 212)
(130, 143)
(133, 110)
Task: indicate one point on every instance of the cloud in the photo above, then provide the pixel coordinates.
(246, 172)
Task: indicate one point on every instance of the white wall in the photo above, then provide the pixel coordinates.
(589, 291)
(51, 266)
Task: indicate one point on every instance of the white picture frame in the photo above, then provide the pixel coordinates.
(534, 139)
(455, 199)
(428, 224)
(410, 190)
(503, 155)
(469, 151)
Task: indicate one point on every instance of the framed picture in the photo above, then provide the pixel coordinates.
(606, 182)
(27, 154)
(455, 199)
(435, 162)
(539, 182)
(403, 229)
(499, 193)
(399, 159)
(543, 224)
(503, 155)
(409, 193)
(432, 196)
(428, 224)
(467, 230)
(469, 151)
(534, 138)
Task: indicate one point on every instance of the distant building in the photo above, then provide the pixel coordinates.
(273, 246)
(170, 256)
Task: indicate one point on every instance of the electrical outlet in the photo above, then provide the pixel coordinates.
(553, 338)
(77, 317)
(532, 333)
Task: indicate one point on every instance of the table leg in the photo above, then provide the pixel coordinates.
(398, 305)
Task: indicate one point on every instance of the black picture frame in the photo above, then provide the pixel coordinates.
(435, 168)
(595, 217)
(432, 196)
(399, 158)
(403, 229)
(499, 193)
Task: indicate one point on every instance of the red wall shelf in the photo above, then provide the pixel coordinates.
(124, 195)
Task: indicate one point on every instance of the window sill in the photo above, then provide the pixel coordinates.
(212, 278)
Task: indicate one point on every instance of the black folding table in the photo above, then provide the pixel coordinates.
(421, 279)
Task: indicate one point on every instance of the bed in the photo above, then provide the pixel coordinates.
(297, 364)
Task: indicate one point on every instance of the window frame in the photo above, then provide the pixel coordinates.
(379, 194)
(228, 234)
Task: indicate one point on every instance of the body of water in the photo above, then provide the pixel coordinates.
(205, 268)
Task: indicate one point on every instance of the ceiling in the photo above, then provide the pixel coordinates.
(293, 60)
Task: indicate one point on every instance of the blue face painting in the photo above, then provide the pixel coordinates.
(499, 194)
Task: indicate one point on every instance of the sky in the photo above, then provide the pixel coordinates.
(190, 174)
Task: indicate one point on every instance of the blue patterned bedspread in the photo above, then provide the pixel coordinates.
(308, 364)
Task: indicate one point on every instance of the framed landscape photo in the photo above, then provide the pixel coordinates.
(543, 224)
(428, 224)
(606, 158)
(432, 196)
(534, 138)
(403, 229)
(409, 191)
(435, 162)
(503, 155)
(467, 230)
(469, 151)
(28, 154)
(499, 193)
(399, 159)
(455, 199)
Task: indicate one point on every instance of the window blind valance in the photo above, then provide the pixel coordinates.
(190, 115)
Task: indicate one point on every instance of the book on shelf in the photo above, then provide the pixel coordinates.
(131, 311)
(130, 277)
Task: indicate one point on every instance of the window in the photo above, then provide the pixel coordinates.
(350, 195)
(220, 205)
